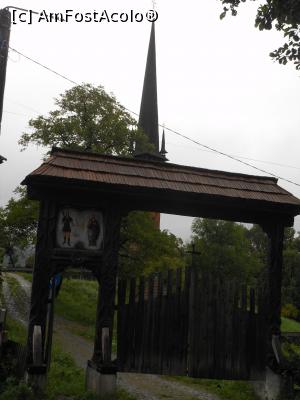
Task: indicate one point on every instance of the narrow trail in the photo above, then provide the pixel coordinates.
(141, 386)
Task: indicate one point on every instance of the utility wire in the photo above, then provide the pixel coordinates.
(245, 158)
(44, 66)
(169, 129)
(14, 113)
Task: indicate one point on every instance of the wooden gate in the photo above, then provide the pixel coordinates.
(186, 323)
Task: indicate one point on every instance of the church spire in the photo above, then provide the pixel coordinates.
(148, 119)
(163, 150)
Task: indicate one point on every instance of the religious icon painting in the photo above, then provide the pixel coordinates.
(79, 229)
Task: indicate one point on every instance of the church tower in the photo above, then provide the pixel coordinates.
(148, 118)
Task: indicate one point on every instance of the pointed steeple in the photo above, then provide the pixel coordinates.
(148, 119)
(163, 150)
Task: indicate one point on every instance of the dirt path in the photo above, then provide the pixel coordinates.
(141, 386)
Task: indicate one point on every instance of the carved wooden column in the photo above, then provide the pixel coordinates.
(42, 272)
(107, 287)
(275, 232)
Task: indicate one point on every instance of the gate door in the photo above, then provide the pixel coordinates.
(186, 323)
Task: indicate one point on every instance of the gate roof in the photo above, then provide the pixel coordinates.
(166, 187)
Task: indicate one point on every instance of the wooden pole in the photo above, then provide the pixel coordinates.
(107, 275)
(42, 273)
(5, 22)
(275, 232)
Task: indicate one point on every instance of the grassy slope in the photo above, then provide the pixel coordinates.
(77, 301)
(289, 325)
(227, 390)
(64, 379)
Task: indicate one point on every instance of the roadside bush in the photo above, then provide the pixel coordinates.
(289, 311)
(17, 391)
(29, 263)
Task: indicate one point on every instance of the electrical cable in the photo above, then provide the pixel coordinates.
(170, 129)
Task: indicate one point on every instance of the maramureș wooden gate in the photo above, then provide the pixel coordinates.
(190, 323)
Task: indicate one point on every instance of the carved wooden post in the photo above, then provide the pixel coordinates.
(41, 274)
(276, 385)
(275, 233)
(101, 373)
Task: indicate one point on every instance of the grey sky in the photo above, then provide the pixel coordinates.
(216, 84)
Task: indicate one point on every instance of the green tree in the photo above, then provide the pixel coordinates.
(284, 16)
(225, 249)
(89, 119)
(259, 242)
(18, 221)
(145, 249)
(86, 118)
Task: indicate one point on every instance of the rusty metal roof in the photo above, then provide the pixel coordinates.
(74, 166)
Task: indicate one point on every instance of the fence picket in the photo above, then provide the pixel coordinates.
(201, 326)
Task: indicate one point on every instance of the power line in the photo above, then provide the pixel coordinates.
(169, 129)
(14, 113)
(245, 158)
(230, 156)
(41, 65)
(23, 105)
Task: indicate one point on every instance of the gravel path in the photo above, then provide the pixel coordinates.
(141, 386)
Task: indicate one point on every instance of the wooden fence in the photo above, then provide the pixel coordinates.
(185, 323)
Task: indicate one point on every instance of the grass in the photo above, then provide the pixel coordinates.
(226, 390)
(289, 325)
(77, 301)
(64, 379)
(26, 275)
(17, 332)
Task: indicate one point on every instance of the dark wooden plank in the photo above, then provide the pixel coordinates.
(243, 334)
(220, 338)
(163, 325)
(132, 325)
(178, 367)
(251, 334)
(121, 324)
(148, 327)
(157, 325)
(228, 344)
(210, 325)
(168, 327)
(140, 325)
(236, 332)
(202, 325)
(192, 365)
(185, 314)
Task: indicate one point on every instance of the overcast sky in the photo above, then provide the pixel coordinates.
(216, 84)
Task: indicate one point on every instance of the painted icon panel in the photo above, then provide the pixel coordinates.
(79, 229)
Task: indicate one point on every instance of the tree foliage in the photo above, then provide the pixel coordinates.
(86, 118)
(89, 119)
(145, 249)
(18, 221)
(283, 15)
(231, 250)
(225, 249)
